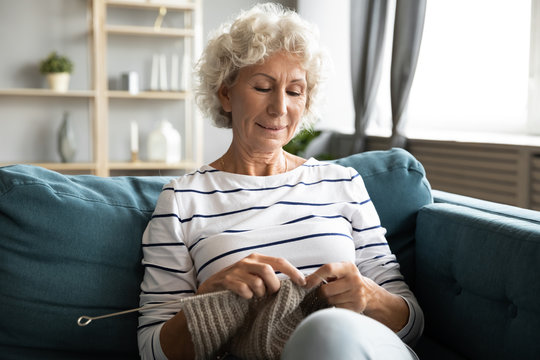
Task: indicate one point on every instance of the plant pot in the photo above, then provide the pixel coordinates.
(58, 81)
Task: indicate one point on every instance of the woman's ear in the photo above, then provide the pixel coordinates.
(224, 98)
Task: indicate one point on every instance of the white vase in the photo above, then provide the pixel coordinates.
(164, 144)
(58, 82)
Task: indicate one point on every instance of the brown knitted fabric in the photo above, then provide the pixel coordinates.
(249, 329)
(213, 319)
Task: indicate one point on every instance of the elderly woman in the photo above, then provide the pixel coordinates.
(258, 215)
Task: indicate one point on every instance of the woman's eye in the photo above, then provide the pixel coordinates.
(294, 93)
(263, 90)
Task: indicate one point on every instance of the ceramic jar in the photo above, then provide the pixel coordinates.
(164, 144)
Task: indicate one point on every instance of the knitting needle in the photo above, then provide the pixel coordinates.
(85, 320)
(320, 277)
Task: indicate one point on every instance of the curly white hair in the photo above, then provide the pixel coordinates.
(252, 37)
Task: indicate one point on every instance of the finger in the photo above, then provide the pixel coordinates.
(285, 267)
(343, 285)
(314, 280)
(260, 287)
(330, 273)
(321, 276)
(340, 298)
(264, 272)
(245, 278)
(350, 300)
(240, 288)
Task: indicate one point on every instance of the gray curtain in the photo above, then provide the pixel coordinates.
(368, 21)
(408, 28)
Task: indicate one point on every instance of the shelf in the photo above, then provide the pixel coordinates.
(57, 166)
(143, 165)
(138, 165)
(148, 31)
(47, 92)
(98, 98)
(180, 6)
(155, 95)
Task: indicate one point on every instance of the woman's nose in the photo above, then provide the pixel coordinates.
(278, 104)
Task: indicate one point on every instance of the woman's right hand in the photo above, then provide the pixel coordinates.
(253, 276)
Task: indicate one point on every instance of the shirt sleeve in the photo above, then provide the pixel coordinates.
(375, 260)
(169, 273)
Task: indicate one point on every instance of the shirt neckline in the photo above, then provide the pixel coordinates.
(310, 161)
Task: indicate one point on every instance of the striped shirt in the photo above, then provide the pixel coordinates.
(315, 214)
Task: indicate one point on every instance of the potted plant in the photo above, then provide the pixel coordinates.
(57, 68)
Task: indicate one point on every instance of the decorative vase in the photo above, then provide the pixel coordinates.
(66, 140)
(164, 144)
(58, 82)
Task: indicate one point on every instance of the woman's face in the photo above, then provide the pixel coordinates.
(267, 102)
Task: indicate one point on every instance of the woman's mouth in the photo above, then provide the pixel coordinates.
(271, 127)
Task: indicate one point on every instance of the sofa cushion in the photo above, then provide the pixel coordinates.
(70, 246)
(397, 185)
(478, 281)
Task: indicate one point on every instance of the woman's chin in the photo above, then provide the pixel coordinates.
(269, 145)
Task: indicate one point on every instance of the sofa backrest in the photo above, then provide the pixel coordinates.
(397, 185)
(70, 246)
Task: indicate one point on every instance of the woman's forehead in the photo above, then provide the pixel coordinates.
(276, 67)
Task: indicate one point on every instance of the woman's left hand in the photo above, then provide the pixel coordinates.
(346, 288)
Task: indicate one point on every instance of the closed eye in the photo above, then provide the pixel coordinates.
(263, 90)
(293, 93)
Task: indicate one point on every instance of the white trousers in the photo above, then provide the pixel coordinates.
(343, 334)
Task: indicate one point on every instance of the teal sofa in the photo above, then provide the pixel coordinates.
(70, 246)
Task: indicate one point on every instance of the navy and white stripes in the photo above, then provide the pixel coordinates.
(315, 214)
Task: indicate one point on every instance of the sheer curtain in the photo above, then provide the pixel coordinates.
(368, 27)
(355, 32)
(372, 17)
(473, 68)
(408, 30)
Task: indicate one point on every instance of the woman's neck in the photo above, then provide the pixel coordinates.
(254, 164)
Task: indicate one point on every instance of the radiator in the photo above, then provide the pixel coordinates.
(508, 174)
(535, 182)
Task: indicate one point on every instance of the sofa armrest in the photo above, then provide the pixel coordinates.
(506, 211)
(477, 266)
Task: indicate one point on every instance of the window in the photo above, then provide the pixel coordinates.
(473, 71)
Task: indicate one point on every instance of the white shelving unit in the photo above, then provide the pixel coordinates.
(100, 97)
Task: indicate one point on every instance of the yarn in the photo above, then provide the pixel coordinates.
(258, 328)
